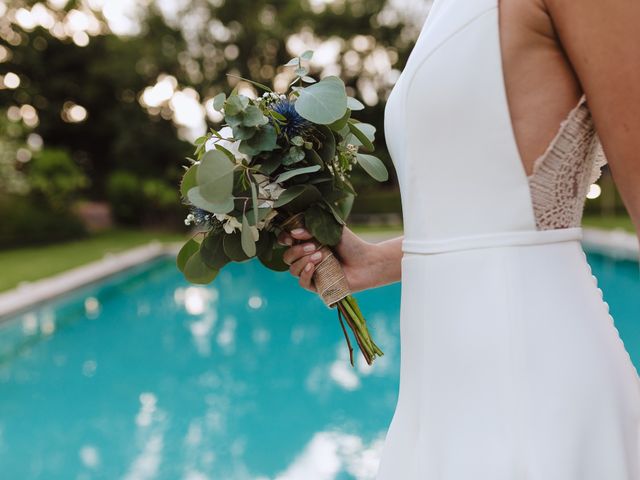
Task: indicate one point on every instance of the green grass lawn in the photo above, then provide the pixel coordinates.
(609, 223)
(32, 263)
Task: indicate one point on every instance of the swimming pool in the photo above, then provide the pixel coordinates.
(147, 377)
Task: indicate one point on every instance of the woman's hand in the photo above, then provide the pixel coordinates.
(357, 257)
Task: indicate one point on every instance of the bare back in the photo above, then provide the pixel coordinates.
(540, 83)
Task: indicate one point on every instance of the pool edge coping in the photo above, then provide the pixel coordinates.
(616, 243)
(29, 294)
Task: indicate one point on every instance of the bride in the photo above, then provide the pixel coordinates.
(511, 366)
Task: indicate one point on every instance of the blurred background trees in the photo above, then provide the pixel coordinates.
(99, 99)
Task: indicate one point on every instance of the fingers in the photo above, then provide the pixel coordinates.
(306, 275)
(298, 265)
(298, 251)
(302, 258)
(287, 238)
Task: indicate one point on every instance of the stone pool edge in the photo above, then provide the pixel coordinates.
(615, 243)
(29, 294)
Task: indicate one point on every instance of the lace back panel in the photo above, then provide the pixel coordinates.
(563, 174)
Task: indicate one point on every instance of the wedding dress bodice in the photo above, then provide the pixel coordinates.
(454, 80)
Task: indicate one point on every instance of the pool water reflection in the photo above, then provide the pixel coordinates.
(148, 377)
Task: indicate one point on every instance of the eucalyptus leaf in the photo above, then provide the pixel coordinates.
(344, 205)
(354, 104)
(197, 271)
(189, 180)
(313, 157)
(308, 79)
(298, 171)
(328, 149)
(322, 225)
(234, 121)
(274, 260)
(212, 251)
(294, 155)
(298, 195)
(215, 177)
(235, 104)
(293, 62)
(307, 55)
(187, 250)
(242, 132)
(335, 212)
(230, 156)
(246, 238)
(265, 140)
(253, 117)
(362, 138)
(265, 243)
(233, 247)
(254, 201)
(269, 164)
(218, 101)
(367, 129)
(277, 115)
(341, 123)
(373, 166)
(195, 198)
(323, 102)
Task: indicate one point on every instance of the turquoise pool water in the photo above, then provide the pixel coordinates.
(146, 377)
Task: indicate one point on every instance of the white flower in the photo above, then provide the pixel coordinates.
(229, 223)
(190, 219)
(268, 190)
(226, 132)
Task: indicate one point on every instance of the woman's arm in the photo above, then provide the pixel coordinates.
(602, 42)
(366, 265)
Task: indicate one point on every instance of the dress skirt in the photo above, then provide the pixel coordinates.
(511, 369)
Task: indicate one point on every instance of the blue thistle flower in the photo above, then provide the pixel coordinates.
(296, 124)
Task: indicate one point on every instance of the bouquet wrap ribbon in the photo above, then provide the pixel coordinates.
(328, 277)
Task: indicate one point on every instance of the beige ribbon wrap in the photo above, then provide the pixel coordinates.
(328, 277)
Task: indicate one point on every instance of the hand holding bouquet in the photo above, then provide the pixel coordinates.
(282, 161)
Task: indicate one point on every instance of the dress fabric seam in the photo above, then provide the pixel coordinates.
(442, 43)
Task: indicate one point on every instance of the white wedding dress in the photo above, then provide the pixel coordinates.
(511, 366)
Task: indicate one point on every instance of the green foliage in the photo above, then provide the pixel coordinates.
(136, 201)
(26, 220)
(187, 250)
(373, 166)
(55, 177)
(322, 225)
(246, 238)
(296, 171)
(233, 247)
(212, 251)
(215, 183)
(324, 102)
(197, 271)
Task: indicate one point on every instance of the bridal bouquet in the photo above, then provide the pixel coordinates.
(281, 161)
